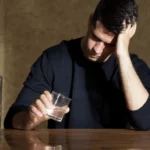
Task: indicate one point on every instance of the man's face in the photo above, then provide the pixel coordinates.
(99, 43)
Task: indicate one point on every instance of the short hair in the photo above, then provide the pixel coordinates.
(112, 13)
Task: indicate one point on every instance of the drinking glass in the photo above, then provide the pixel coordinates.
(59, 104)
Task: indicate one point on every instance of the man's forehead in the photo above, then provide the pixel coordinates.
(100, 28)
(102, 33)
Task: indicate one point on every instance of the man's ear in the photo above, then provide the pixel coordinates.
(90, 20)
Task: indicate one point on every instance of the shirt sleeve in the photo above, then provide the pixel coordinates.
(140, 119)
(39, 79)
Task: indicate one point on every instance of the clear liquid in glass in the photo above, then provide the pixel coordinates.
(56, 114)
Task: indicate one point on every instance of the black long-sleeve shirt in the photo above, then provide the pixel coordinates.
(95, 89)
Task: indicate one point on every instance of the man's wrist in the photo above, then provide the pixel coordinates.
(18, 120)
(122, 55)
(22, 121)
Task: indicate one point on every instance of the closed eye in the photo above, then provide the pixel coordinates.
(95, 37)
(99, 40)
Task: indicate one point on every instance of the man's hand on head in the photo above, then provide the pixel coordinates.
(123, 40)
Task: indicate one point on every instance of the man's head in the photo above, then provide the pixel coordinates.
(105, 25)
(111, 13)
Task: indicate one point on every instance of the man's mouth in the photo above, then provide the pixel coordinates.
(95, 56)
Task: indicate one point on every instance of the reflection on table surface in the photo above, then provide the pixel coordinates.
(74, 139)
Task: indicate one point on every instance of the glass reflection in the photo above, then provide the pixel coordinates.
(29, 141)
(78, 140)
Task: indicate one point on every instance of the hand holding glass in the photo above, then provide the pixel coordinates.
(59, 104)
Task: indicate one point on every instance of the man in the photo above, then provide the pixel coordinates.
(109, 87)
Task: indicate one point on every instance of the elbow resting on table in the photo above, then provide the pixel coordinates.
(141, 126)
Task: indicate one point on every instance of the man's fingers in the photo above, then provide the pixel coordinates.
(67, 110)
(33, 117)
(48, 95)
(129, 29)
(49, 98)
(133, 30)
(34, 110)
(40, 106)
(46, 100)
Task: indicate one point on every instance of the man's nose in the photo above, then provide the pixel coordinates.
(99, 46)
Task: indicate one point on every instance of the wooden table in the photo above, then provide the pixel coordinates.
(74, 139)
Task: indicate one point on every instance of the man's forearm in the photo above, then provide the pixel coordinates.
(135, 93)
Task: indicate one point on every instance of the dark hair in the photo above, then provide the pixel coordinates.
(112, 13)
